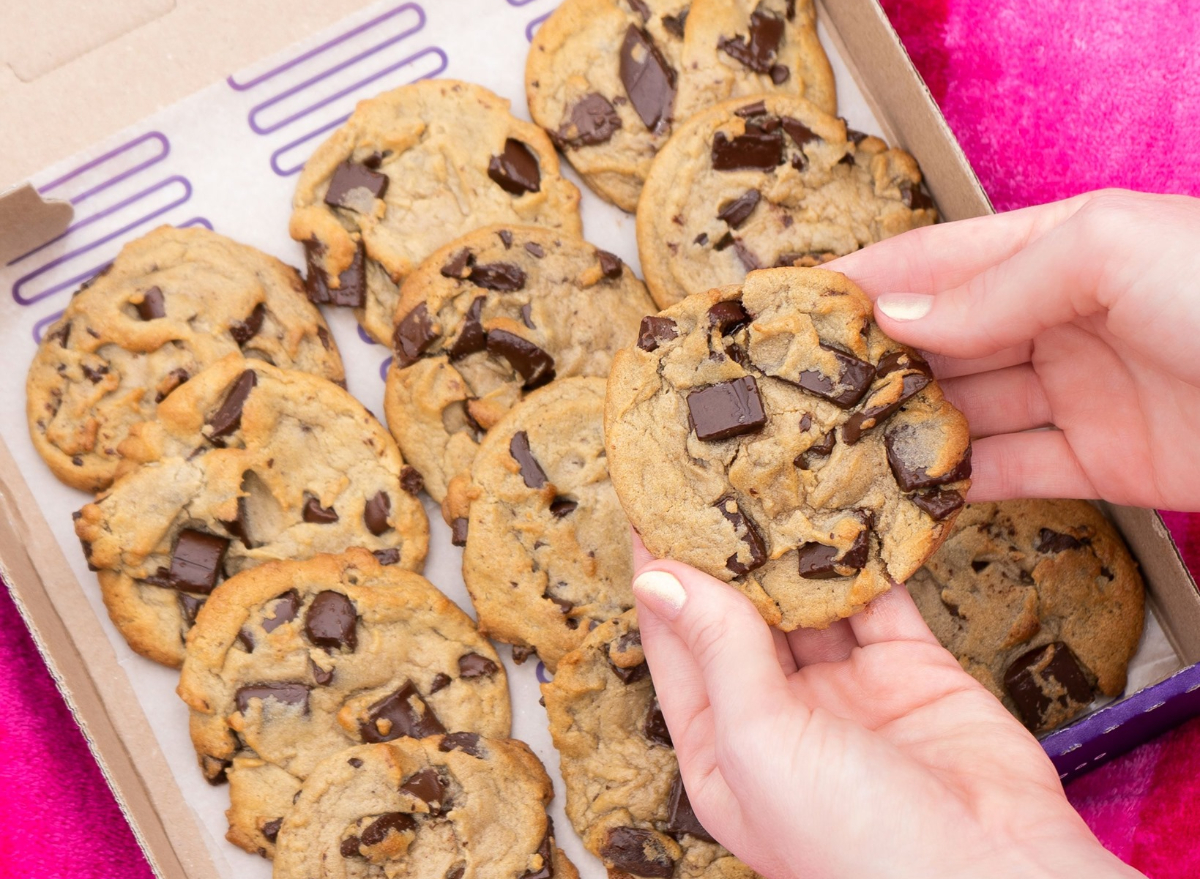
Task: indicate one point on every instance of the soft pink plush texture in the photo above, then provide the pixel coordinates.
(1048, 99)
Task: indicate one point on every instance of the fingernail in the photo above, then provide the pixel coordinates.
(662, 592)
(904, 306)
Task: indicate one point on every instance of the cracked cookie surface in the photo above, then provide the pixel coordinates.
(291, 662)
(772, 181)
(1040, 601)
(411, 170)
(244, 464)
(490, 317)
(172, 303)
(771, 435)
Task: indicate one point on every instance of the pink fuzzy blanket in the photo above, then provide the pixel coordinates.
(1048, 99)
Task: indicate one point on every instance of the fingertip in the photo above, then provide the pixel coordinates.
(641, 555)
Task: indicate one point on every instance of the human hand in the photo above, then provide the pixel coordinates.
(1083, 315)
(861, 750)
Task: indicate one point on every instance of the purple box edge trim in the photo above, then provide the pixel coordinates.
(1120, 727)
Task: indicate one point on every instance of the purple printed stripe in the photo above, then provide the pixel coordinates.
(531, 28)
(241, 87)
(39, 328)
(362, 334)
(383, 368)
(195, 221)
(519, 2)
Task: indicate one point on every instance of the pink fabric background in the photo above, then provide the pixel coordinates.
(1048, 99)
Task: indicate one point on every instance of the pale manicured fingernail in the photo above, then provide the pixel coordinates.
(904, 306)
(662, 592)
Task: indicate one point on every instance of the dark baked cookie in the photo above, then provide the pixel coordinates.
(1040, 601)
(772, 435)
(291, 662)
(172, 303)
(411, 170)
(244, 464)
(624, 793)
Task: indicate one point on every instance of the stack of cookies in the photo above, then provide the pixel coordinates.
(258, 528)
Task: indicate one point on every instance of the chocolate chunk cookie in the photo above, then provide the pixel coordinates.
(547, 547)
(490, 317)
(410, 171)
(172, 303)
(290, 662)
(769, 181)
(244, 464)
(1040, 601)
(624, 793)
(456, 805)
(772, 435)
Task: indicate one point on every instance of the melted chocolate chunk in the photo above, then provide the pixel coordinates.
(759, 51)
(674, 24)
(746, 256)
(526, 316)
(680, 817)
(472, 337)
(640, 7)
(611, 266)
(753, 150)
(1054, 542)
(503, 276)
(531, 471)
(506, 238)
(189, 606)
(637, 851)
(287, 692)
(937, 503)
(654, 331)
(440, 682)
(403, 713)
(228, 417)
(351, 291)
(428, 787)
(821, 562)
(458, 531)
(648, 78)
(872, 416)
(375, 514)
(516, 169)
(798, 131)
(196, 561)
(322, 677)
(1052, 666)
(314, 512)
(630, 674)
(724, 241)
(915, 198)
(377, 831)
(535, 366)
(285, 610)
(467, 742)
(151, 307)
(561, 603)
(534, 249)
(413, 336)
(472, 665)
(410, 480)
(456, 872)
(546, 852)
(853, 380)
(390, 556)
(174, 379)
(752, 538)
(459, 262)
(911, 478)
(245, 330)
(655, 726)
(726, 409)
(271, 829)
(332, 622)
(758, 108)
(738, 210)
(349, 847)
(592, 120)
(820, 449)
(350, 176)
(562, 507)
(900, 360)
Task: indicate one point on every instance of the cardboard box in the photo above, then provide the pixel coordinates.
(105, 74)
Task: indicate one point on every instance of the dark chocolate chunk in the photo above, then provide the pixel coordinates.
(322, 677)
(701, 239)
(752, 538)
(938, 503)
(403, 713)
(758, 108)
(654, 331)
(637, 851)
(752, 150)
(779, 73)
(655, 726)
(630, 674)
(592, 120)
(1051, 666)
(196, 561)
(61, 335)
(174, 379)
(505, 238)
(726, 409)
(563, 605)
(458, 531)
(545, 849)
(440, 682)
(674, 24)
(503, 276)
(1054, 542)
(531, 470)
(853, 380)
(526, 316)
(314, 512)
(390, 556)
(820, 449)
(805, 422)
(245, 330)
(351, 291)
(271, 829)
(648, 78)
(456, 872)
(285, 610)
(245, 638)
(349, 847)
(516, 169)
(375, 514)
(757, 53)
(847, 159)
(350, 176)
(854, 136)
(189, 606)
(738, 210)
(228, 417)
(680, 817)
(426, 786)
(562, 506)
(377, 831)
(640, 7)
(467, 742)
(150, 308)
(458, 264)
(332, 621)
(94, 375)
(534, 249)
(472, 665)
(872, 416)
(535, 366)
(821, 562)
(749, 261)
(798, 131)
(287, 692)
(471, 337)
(724, 241)
(410, 480)
(898, 360)
(413, 336)
(611, 266)
(915, 198)
(911, 478)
